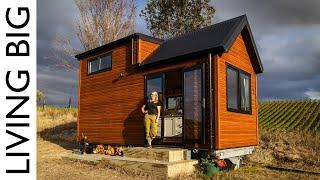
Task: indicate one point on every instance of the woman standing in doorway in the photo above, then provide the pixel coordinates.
(151, 109)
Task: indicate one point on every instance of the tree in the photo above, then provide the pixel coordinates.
(99, 22)
(40, 96)
(166, 19)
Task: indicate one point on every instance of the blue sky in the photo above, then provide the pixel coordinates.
(287, 34)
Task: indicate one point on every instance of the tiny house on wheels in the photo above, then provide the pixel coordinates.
(206, 80)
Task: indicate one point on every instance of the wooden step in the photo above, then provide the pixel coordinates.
(158, 153)
(154, 168)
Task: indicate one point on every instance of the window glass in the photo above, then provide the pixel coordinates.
(105, 62)
(94, 66)
(154, 84)
(192, 104)
(232, 88)
(101, 63)
(245, 92)
(174, 103)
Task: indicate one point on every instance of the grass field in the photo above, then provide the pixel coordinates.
(297, 149)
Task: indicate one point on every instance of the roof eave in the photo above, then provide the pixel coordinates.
(117, 42)
(261, 69)
(214, 51)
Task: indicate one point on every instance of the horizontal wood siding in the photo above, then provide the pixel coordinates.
(109, 109)
(234, 129)
(109, 105)
(146, 48)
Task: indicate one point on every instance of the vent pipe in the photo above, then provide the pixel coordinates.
(210, 104)
(132, 42)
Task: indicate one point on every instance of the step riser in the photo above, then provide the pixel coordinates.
(157, 155)
(154, 169)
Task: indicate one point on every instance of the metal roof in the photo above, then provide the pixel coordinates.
(215, 38)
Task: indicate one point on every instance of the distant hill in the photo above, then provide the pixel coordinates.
(290, 115)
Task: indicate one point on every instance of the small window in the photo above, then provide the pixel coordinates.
(100, 64)
(174, 103)
(238, 90)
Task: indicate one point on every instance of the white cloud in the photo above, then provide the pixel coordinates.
(313, 94)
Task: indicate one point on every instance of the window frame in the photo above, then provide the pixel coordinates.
(238, 95)
(100, 70)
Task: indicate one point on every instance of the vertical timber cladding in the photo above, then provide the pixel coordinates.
(109, 105)
(234, 129)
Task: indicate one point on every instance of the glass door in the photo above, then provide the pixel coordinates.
(173, 108)
(192, 104)
(155, 83)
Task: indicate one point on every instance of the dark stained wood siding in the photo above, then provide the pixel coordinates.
(234, 129)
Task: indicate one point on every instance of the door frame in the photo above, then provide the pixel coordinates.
(160, 140)
(153, 76)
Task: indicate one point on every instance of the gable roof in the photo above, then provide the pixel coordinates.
(216, 38)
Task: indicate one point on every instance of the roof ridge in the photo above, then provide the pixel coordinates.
(217, 38)
(226, 40)
(148, 36)
(204, 28)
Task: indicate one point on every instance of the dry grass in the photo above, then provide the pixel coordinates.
(257, 173)
(298, 150)
(56, 136)
(51, 117)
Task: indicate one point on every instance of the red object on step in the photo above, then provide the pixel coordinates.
(221, 163)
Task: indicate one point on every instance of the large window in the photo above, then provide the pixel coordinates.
(100, 64)
(238, 90)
